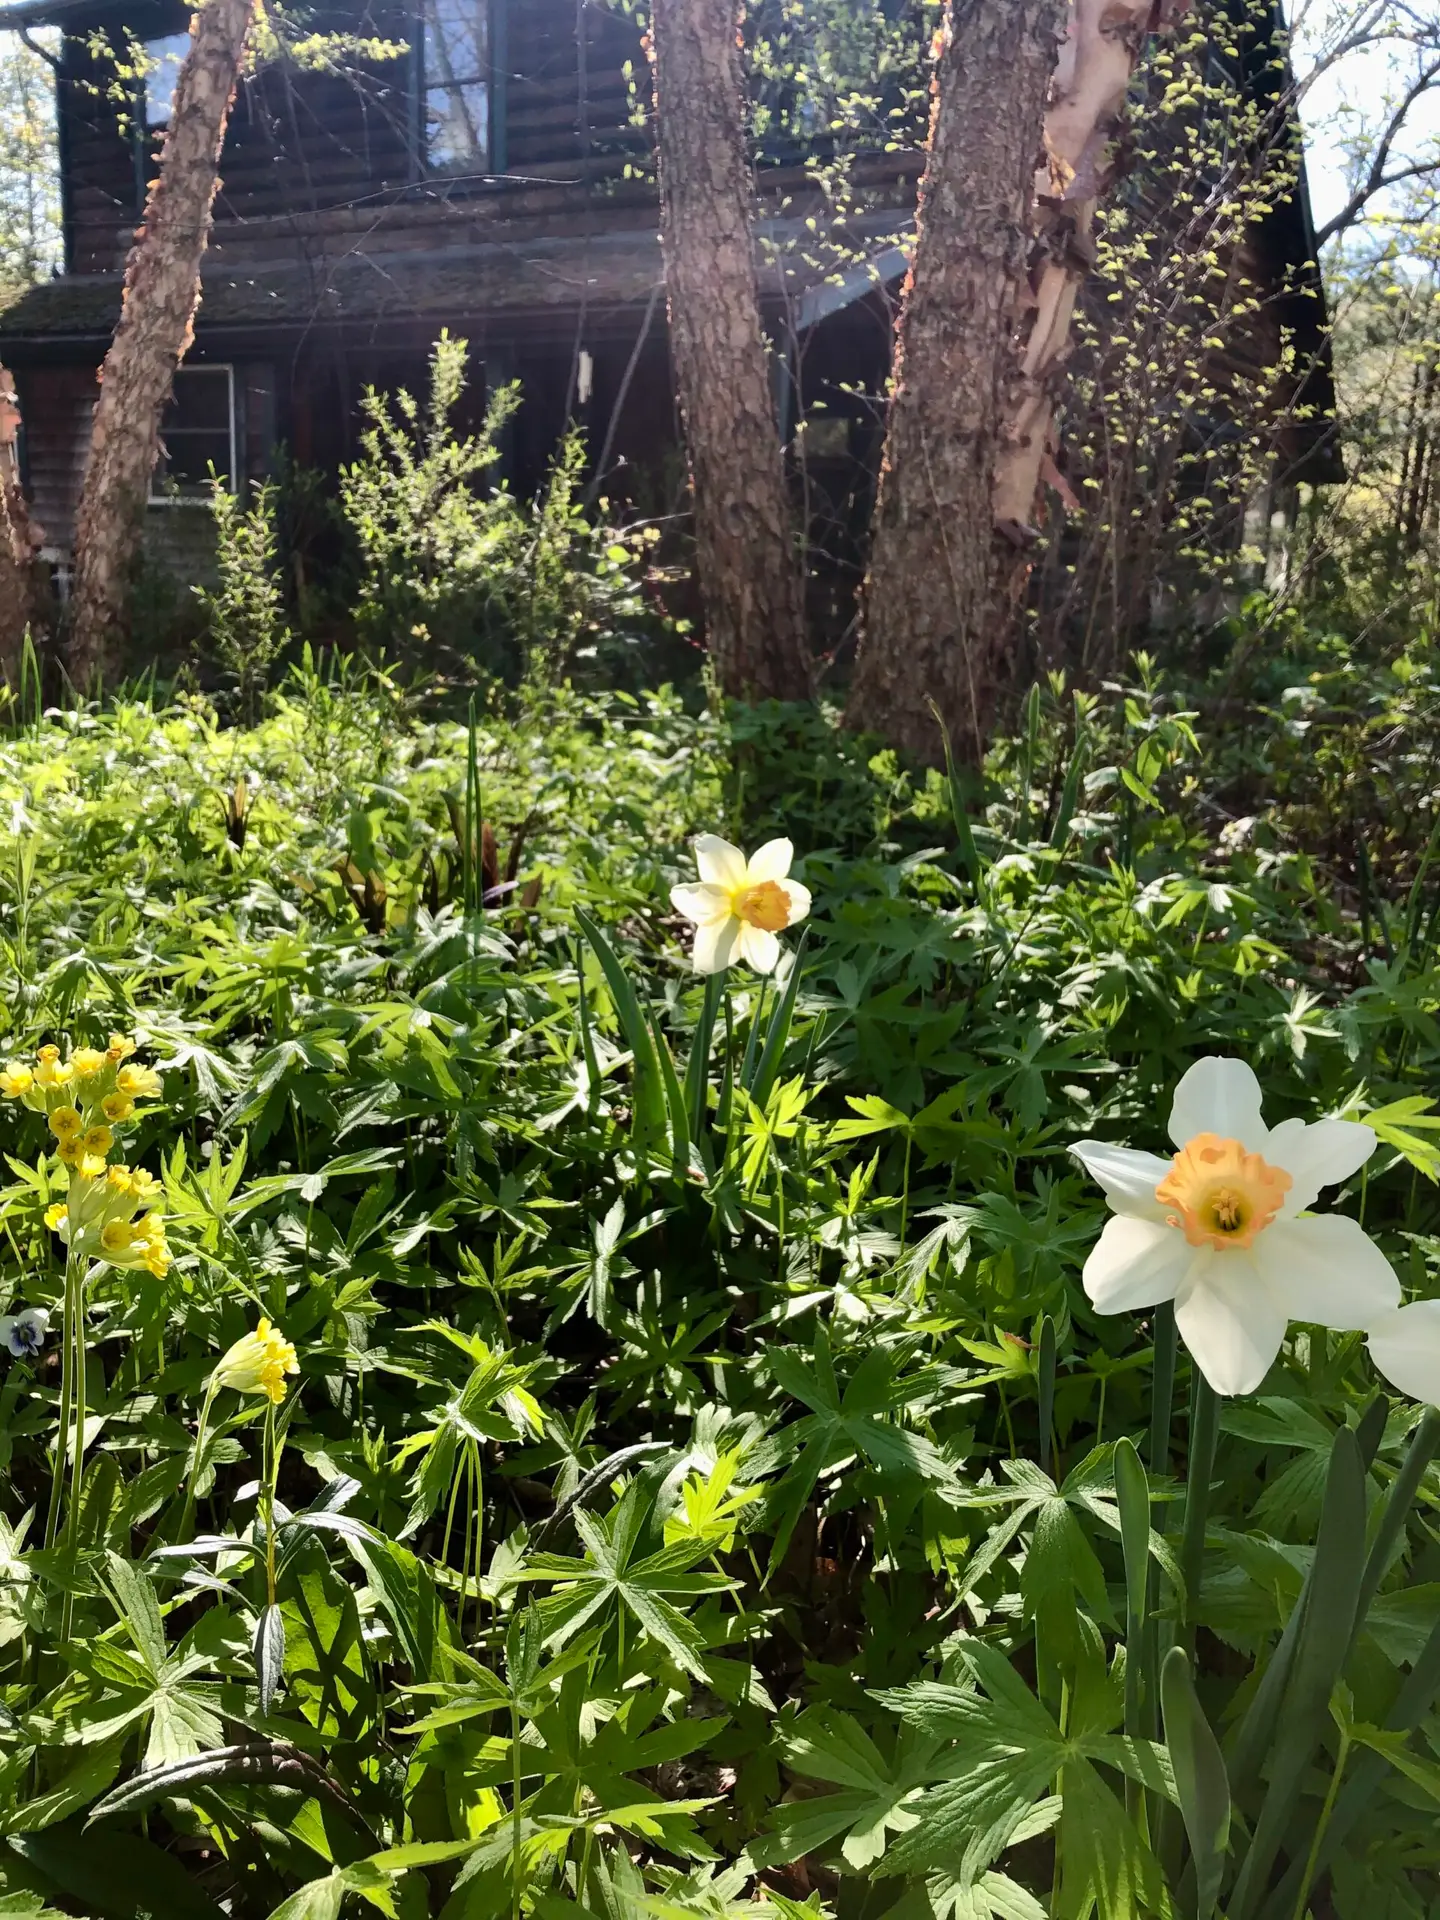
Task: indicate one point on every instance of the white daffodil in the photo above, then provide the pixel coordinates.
(740, 905)
(1222, 1229)
(1405, 1346)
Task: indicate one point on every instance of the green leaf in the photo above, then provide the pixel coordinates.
(269, 1652)
(1200, 1780)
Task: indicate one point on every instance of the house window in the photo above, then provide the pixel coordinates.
(163, 59)
(197, 436)
(456, 41)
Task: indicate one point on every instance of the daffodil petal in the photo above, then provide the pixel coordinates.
(703, 904)
(720, 864)
(1326, 1269)
(770, 862)
(799, 898)
(714, 947)
(1231, 1322)
(1222, 1097)
(757, 948)
(1129, 1178)
(1135, 1263)
(1323, 1154)
(1405, 1346)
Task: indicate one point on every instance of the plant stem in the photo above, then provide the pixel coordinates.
(75, 1314)
(67, 1403)
(1204, 1432)
(196, 1455)
(269, 1475)
(1313, 1858)
(1162, 1390)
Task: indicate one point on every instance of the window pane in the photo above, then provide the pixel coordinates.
(162, 69)
(201, 399)
(457, 41)
(457, 121)
(195, 434)
(187, 459)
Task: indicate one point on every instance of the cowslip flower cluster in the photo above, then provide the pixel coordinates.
(740, 905)
(258, 1363)
(110, 1216)
(1224, 1230)
(108, 1212)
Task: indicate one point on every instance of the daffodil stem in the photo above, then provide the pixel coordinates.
(197, 1453)
(1162, 1389)
(1204, 1432)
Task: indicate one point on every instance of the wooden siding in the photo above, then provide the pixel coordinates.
(320, 146)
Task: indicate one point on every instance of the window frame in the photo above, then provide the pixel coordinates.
(147, 128)
(177, 499)
(492, 159)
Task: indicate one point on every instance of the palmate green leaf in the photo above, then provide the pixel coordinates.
(614, 1573)
(80, 1784)
(1003, 1756)
(875, 1796)
(994, 1896)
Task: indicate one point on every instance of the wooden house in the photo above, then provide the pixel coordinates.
(487, 169)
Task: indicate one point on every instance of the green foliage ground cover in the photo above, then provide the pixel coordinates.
(706, 1487)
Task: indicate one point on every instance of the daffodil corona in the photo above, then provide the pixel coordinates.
(1223, 1228)
(741, 905)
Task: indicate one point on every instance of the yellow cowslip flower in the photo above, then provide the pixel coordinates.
(48, 1055)
(150, 1245)
(89, 1166)
(88, 1061)
(117, 1106)
(258, 1363)
(70, 1150)
(16, 1079)
(120, 1048)
(56, 1216)
(139, 1082)
(97, 1140)
(116, 1236)
(53, 1073)
(66, 1123)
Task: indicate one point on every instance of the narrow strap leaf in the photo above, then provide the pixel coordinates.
(1200, 1779)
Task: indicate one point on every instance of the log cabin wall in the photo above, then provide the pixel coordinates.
(314, 156)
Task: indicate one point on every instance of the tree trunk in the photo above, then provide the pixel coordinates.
(18, 540)
(162, 290)
(750, 579)
(1022, 131)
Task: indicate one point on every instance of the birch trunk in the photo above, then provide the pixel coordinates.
(750, 579)
(162, 291)
(1027, 101)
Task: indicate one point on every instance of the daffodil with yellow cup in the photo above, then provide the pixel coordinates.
(741, 906)
(1224, 1228)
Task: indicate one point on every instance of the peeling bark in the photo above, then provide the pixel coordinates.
(750, 579)
(1084, 127)
(162, 291)
(19, 540)
(1025, 139)
(926, 603)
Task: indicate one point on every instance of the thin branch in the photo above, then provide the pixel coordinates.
(1376, 179)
